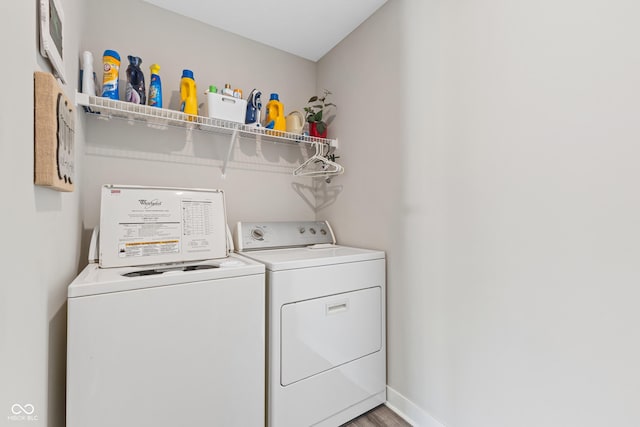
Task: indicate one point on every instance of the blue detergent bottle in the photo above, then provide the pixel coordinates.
(155, 87)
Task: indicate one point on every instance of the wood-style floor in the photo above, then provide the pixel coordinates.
(378, 417)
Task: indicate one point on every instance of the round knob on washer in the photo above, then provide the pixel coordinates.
(302, 230)
(312, 230)
(257, 234)
(323, 231)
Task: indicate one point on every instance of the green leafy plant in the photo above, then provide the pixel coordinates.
(317, 112)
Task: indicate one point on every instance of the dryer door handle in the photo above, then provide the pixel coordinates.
(337, 307)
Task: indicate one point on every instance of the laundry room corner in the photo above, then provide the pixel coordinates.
(378, 208)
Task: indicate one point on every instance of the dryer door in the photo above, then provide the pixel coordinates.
(322, 333)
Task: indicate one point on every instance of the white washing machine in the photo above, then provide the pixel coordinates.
(326, 346)
(175, 343)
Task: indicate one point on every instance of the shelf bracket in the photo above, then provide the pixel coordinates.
(234, 136)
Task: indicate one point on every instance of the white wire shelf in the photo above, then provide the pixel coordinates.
(161, 118)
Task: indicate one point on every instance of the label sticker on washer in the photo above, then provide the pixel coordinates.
(149, 227)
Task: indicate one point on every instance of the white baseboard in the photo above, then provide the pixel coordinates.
(408, 410)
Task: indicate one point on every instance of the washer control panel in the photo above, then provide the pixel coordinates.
(266, 235)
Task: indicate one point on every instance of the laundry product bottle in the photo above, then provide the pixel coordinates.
(188, 93)
(88, 76)
(111, 68)
(155, 87)
(227, 90)
(275, 114)
(136, 91)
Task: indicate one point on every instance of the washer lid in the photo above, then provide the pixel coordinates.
(94, 280)
(156, 225)
(311, 256)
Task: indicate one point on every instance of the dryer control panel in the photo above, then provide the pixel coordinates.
(269, 235)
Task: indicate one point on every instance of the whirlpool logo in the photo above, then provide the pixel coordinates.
(22, 412)
(149, 203)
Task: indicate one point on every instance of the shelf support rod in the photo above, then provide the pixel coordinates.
(234, 136)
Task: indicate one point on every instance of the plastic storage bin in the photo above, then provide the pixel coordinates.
(226, 107)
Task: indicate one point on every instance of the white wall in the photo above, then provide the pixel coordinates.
(509, 201)
(40, 229)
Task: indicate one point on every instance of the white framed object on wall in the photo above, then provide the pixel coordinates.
(51, 35)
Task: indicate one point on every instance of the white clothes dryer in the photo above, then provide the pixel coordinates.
(326, 346)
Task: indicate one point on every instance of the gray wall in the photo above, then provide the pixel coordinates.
(40, 228)
(491, 149)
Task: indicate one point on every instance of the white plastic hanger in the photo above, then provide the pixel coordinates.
(318, 165)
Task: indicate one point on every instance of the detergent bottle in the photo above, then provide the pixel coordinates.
(155, 87)
(275, 114)
(188, 93)
(136, 91)
(111, 67)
